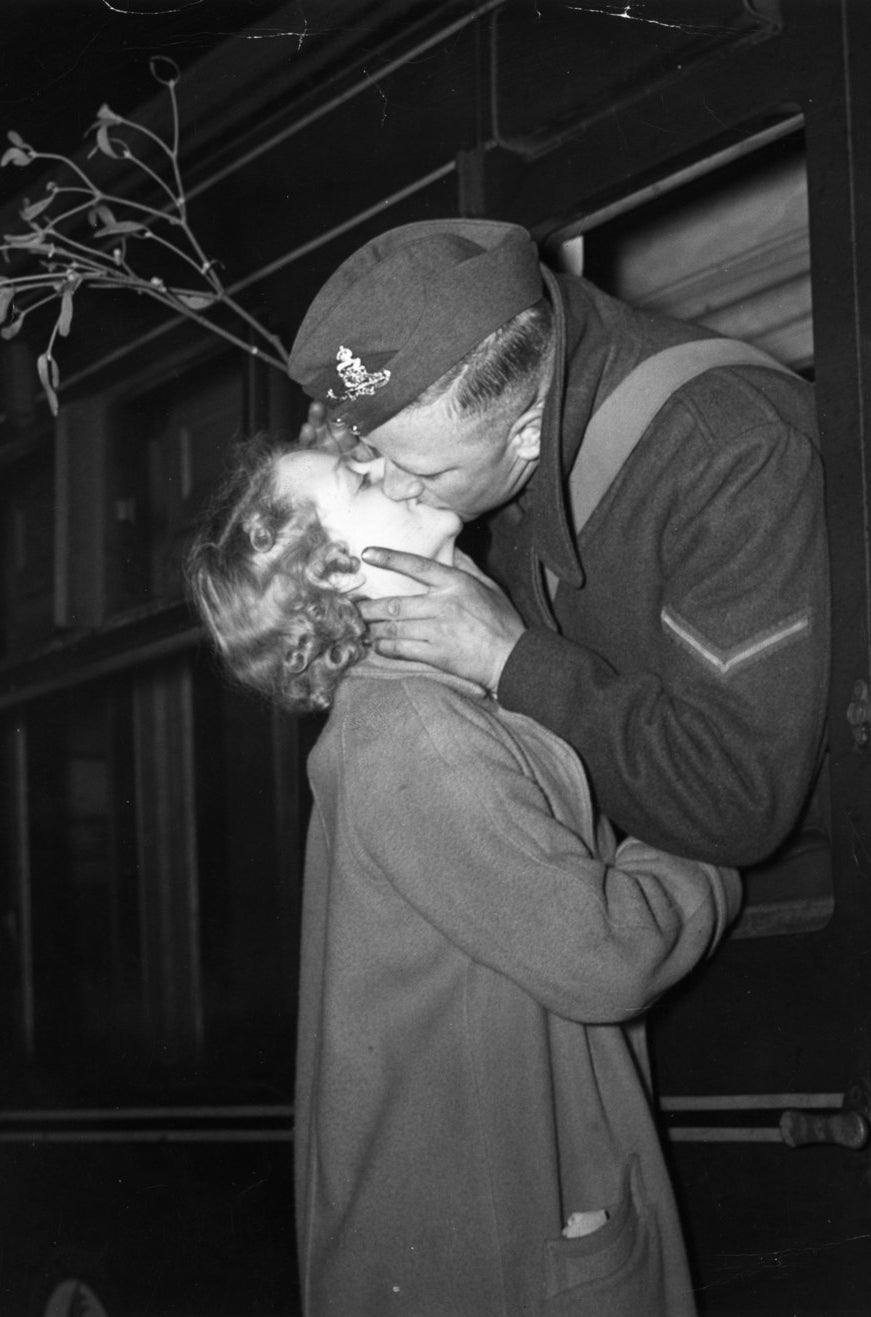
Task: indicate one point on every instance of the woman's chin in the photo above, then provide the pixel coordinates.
(378, 583)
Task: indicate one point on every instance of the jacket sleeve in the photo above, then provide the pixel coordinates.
(703, 735)
(467, 837)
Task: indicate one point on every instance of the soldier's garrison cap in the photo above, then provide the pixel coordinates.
(407, 307)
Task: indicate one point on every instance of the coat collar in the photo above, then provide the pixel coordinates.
(570, 403)
(373, 667)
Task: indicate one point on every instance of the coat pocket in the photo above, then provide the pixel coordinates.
(614, 1272)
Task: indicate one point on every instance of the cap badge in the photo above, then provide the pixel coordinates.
(358, 381)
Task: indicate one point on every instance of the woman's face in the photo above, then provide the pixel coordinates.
(354, 509)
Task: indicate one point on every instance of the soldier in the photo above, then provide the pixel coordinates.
(659, 591)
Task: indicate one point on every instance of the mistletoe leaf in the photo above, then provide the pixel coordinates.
(65, 318)
(32, 241)
(7, 296)
(31, 209)
(105, 142)
(46, 369)
(101, 212)
(15, 155)
(121, 226)
(194, 301)
(107, 115)
(10, 330)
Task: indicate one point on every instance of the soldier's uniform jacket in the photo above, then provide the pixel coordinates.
(686, 655)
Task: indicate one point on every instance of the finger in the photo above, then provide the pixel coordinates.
(403, 648)
(379, 610)
(413, 607)
(419, 631)
(311, 426)
(403, 632)
(343, 438)
(335, 440)
(424, 570)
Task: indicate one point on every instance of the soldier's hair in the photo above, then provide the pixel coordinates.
(508, 362)
(261, 573)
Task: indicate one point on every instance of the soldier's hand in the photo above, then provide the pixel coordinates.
(461, 622)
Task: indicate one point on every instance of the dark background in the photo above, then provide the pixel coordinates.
(61, 59)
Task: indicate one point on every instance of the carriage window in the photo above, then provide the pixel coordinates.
(150, 884)
(165, 450)
(27, 537)
(729, 249)
(84, 910)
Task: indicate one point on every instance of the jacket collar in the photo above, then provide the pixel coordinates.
(570, 403)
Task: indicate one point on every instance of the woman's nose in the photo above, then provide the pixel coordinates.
(399, 485)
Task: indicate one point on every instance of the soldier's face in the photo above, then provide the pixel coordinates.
(469, 464)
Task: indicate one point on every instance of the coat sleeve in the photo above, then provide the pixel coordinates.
(703, 734)
(467, 837)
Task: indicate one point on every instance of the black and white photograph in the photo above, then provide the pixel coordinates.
(435, 658)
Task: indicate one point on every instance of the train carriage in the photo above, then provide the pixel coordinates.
(707, 160)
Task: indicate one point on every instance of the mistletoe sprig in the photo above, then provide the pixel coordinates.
(68, 257)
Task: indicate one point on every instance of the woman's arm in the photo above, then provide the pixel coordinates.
(444, 807)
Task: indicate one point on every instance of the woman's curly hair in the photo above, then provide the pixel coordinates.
(262, 572)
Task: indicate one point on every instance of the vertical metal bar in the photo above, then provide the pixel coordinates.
(859, 237)
(141, 722)
(169, 879)
(189, 877)
(25, 901)
(185, 458)
(159, 787)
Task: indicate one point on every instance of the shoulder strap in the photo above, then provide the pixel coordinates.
(618, 424)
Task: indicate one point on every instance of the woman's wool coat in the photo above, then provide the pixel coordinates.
(476, 957)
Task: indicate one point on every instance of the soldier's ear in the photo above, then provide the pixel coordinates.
(526, 431)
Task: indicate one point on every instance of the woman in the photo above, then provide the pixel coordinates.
(474, 1133)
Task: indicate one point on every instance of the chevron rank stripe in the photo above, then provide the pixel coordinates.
(726, 661)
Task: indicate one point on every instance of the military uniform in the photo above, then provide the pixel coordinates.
(686, 654)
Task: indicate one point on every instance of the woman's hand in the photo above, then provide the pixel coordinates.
(330, 436)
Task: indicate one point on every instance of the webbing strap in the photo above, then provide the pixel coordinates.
(618, 424)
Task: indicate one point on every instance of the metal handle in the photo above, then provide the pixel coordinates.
(841, 1120)
(847, 1129)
